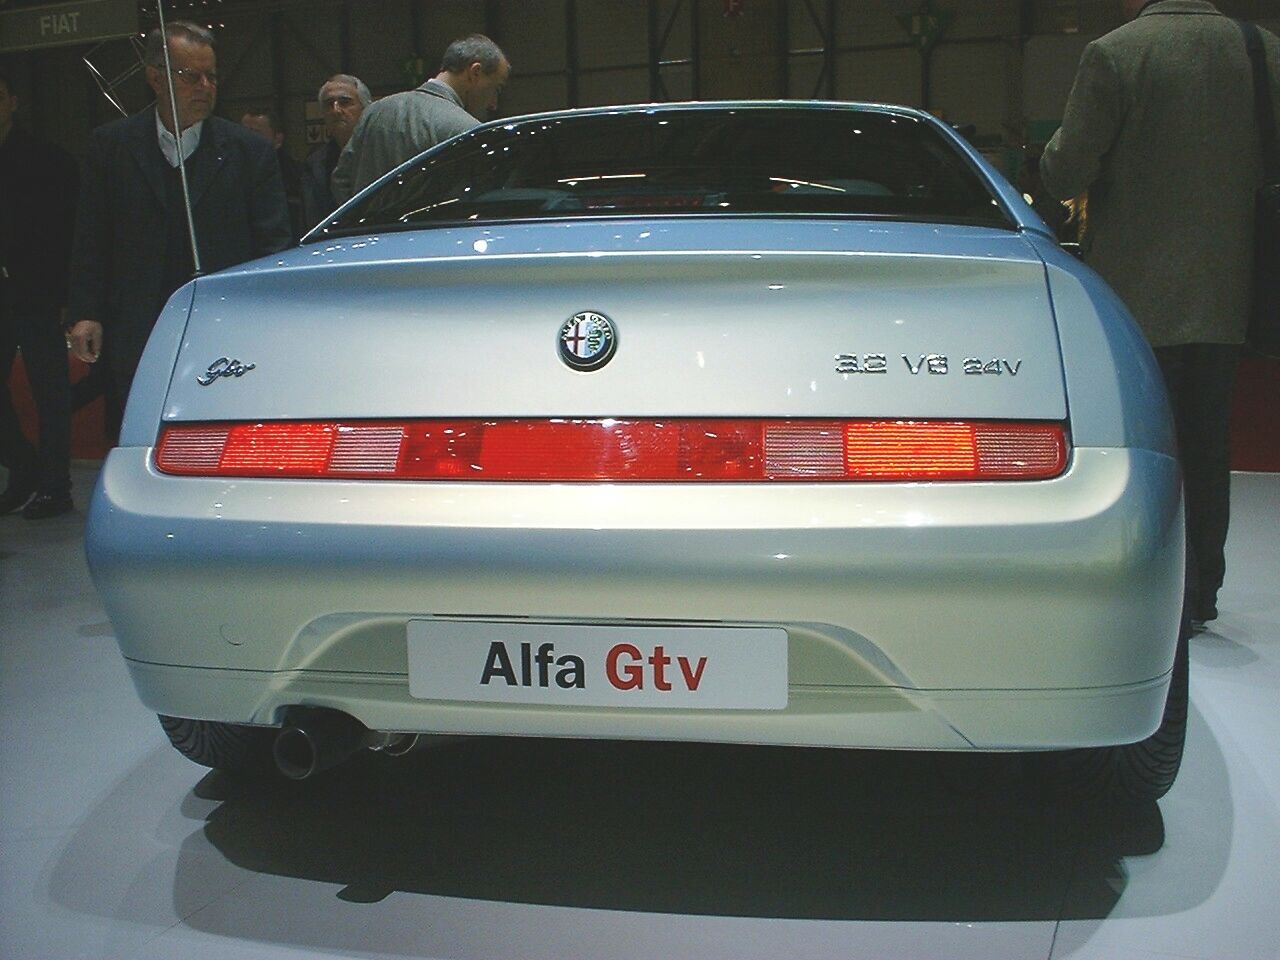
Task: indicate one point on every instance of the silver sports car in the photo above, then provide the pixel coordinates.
(776, 423)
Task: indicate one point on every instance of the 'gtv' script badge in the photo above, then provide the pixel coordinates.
(224, 367)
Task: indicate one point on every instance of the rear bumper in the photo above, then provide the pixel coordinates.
(944, 616)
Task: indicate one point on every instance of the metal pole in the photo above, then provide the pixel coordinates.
(344, 39)
(784, 49)
(831, 49)
(277, 66)
(1026, 24)
(415, 24)
(926, 63)
(182, 162)
(572, 65)
(655, 76)
(821, 26)
(695, 51)
(491, 16)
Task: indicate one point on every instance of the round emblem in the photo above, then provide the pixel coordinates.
(587, 340)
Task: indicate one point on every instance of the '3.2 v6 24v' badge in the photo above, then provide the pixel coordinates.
(587, 340)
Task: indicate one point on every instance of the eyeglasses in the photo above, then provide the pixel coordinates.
(192, 78)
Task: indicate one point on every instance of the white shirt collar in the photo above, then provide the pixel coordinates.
(169, 143)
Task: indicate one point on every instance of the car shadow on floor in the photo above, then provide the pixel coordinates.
(689, 828)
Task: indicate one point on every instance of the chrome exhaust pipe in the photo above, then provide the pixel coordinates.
(395, 744)
(402, 744)
(314, 739)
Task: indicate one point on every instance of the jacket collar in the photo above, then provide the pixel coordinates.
(1154, 7)
(202, 165)
(438, 88)
(17, 137)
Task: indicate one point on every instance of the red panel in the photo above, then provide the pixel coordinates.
(562, 450)
(286, 449)
(1255, 425)
(88, 433)
(1255, 419)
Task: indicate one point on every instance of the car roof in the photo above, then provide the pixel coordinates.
(706, 105)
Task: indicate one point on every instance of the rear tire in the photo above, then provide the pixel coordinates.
(1131, 773)
(224, 746)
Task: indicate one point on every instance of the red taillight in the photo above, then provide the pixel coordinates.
(285, 449)
(619, 450)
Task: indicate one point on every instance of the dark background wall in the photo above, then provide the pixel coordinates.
(1004, 66)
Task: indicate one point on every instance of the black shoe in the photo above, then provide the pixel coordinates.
(45, 505)
(1204, 613)
(14, 497)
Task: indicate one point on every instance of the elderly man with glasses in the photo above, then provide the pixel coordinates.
(342, 100)
(132, 247)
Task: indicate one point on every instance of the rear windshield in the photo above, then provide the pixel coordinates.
(756, 161)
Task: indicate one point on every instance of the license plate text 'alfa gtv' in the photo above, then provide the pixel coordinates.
(599, 666)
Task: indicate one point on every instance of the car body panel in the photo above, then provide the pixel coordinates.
(1117, 393)
(335, 571)
(943, 615)
(474, 333)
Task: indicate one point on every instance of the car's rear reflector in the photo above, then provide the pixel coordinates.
(565, 450)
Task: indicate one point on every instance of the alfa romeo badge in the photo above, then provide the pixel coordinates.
(587, 340)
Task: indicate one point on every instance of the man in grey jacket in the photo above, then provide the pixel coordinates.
(399, 127)
(1160, 131)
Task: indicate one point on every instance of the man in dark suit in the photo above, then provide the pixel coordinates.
(36, 215)
(264, 122)
(132, 247)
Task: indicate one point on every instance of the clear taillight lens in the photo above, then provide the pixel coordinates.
(619, 450)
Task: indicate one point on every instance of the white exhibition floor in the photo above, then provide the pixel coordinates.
(113, 846)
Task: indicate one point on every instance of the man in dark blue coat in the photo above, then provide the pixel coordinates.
(132, 247)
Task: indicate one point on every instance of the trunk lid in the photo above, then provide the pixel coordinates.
(713, 318)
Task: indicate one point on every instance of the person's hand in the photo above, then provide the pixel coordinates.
(84, 340)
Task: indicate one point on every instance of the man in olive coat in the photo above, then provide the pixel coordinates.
(1160, 131)
(397, 128)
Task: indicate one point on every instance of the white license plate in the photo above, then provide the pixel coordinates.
(711, 668)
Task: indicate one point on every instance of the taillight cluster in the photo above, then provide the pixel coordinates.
(652, 450)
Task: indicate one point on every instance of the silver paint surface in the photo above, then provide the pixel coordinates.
(932, 615)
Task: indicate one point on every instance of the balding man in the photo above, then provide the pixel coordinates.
(397, 128)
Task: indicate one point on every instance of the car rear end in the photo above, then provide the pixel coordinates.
(880, 474)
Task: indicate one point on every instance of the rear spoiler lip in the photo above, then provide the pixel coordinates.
(689, 235)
